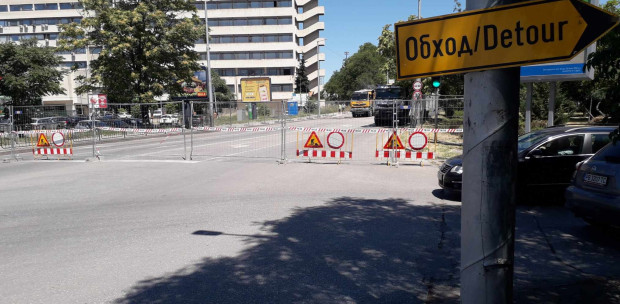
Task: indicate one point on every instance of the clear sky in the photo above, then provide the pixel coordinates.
(349, 24)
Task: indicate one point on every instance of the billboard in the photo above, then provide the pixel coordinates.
(194, 89)
(255, 89)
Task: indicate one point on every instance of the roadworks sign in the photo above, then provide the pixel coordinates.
(43, 142)
(394, 143)
(313, 142)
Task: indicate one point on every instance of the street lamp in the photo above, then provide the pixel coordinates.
(209, 82)
(318, 62)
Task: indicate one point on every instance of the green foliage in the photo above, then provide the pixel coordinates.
(147, 47)
(221, 90)
(29, 72)
(263, 110)
(605, 90)
(361, 71)
(301, 80)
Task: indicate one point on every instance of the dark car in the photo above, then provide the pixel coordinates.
(546, 159)
(5, 125)
(594, 193)
(72, 121)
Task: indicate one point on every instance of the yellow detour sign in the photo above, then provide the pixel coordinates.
(504, 36)
(394, 143)
(313, 142)
(43, 142)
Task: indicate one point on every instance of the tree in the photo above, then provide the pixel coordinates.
(301, 81)
(29, 72)
(220, 88)
(147, 47)
(605, 91)
(362, 71)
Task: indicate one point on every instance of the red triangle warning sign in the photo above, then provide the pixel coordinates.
(313, 142)
(394, 143)
(43, 142)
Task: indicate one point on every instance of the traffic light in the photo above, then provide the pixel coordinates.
(436, 81)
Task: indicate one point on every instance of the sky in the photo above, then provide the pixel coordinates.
(349, 24)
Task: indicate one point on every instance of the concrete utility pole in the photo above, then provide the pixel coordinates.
(209, 82)
(318, 62)
(489, 163)
(528, 108)
(551, 113)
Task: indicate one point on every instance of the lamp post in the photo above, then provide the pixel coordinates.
(209, 82)
(318, 62)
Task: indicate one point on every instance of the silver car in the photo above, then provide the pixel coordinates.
(45, 123)
(594, 194)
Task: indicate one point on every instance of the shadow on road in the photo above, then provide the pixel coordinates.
(353, 250)
(347, 251)
(447, 195)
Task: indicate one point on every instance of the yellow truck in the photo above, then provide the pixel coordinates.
(362, 103)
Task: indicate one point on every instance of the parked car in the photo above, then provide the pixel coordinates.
(124, 115)
(115, 123)
(46, 123)
(546, 159)
(169, 120)
(88, 124)
(134, 122)
(4, 125)
(594, 193)
(71, 121)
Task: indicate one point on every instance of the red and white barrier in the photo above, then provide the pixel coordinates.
(52, 151)
(405, 154)
(325, 154)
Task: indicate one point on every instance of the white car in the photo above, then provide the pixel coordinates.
(169, 120)
(157, 114)
(124, 115)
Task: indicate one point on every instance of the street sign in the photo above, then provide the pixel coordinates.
(394, 143)
(58, 139)
(43, 142)
(335, 140)
(525, 33)
(417, 96)
(418, 140)
(417, 86)
(99, 101)
(313, 142)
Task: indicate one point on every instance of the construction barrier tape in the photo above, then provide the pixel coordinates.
(258, 129)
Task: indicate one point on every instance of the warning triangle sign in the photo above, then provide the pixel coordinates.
(313, 142)
(394, 143)
(43, 142)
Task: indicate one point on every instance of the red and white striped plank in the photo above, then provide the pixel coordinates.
(52, 151)
(405, 154)
(325, 154)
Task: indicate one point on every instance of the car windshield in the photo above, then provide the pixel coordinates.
(360, 96)
(529, 139)
(387, 93)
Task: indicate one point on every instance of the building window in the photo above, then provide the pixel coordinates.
(21, 7)
(46, 7)
(4, 8)
(70, 5)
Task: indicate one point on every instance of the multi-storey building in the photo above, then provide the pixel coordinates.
(248, 38)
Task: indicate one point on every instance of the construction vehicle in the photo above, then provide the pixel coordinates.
(390, 107)
(362, 103)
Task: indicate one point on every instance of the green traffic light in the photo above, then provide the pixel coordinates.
(436, 82)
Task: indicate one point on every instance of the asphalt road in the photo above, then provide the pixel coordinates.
(247, 230)
(231, 232)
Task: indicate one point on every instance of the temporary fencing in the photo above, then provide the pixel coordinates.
(267, 130)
